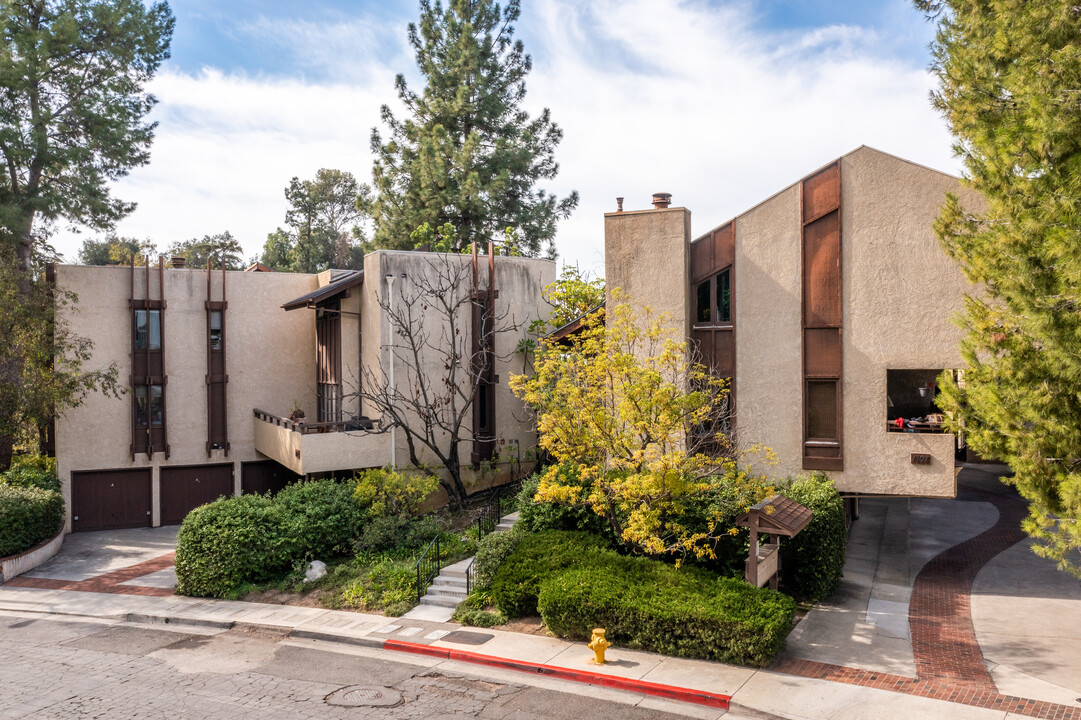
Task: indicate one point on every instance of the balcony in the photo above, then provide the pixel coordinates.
(320, 447)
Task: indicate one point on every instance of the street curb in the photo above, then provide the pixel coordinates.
(331, 637)
(671, 692)
(167, 620)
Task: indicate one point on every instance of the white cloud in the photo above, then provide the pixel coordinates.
(652, 96)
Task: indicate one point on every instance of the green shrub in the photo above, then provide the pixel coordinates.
(474, 611)
(492, 550)
(388, 533)
(538, 517)
(389, 585)
(812, 561)
(384, 492)
(538, 556)
(324, 517)
(32, 471)
(28, 515)
(652, 606)
(225, 544)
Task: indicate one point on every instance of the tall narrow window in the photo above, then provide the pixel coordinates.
(148, 328)
(714, 299)
(215, 330)
(822, 410)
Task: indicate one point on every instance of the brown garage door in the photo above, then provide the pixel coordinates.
(265, 476)
(110, 499)
(186, 488)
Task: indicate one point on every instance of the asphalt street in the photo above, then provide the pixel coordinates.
(58, 668)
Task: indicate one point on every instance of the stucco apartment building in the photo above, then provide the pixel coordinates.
(830, 306)
(214, 363)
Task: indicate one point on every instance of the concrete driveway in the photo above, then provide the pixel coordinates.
(945, 599)
(138, 561)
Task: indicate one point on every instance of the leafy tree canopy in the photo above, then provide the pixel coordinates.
(572, 295)
(1009, 75)
(114, 250)
(73, 108)
(216, 248)
(640, 420)
(467, 153)
(323, 225)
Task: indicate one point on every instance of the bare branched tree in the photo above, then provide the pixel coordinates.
(442, 330)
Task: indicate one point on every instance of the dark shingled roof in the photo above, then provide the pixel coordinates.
(778, 516)
(349, 280)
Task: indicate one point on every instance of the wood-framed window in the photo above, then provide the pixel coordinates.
(148, 378)
(713, 299)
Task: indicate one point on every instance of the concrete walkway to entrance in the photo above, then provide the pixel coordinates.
(943, 599)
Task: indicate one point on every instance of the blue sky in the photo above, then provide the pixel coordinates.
(719, 103)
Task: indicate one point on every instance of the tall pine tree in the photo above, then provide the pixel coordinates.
(1010, 75)
(468, 154)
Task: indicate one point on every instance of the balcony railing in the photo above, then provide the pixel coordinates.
(314, 447)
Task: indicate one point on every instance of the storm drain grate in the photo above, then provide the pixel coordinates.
(364, 696)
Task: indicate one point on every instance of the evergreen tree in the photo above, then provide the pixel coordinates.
(467, 154)
(323, 225)
(114, 250)
(1010, 74)
(216, 248)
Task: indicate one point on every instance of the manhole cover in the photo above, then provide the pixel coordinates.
(364, 696)
(464, 637)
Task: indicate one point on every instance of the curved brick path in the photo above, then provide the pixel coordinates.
(949, 664)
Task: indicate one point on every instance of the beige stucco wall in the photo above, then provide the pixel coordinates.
(520, 282)
(646, 255)
(900, 293)
(768, 317)
(269, 354)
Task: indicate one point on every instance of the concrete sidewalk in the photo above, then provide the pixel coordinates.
(752, 691)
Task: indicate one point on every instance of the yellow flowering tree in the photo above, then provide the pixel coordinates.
(641, 425)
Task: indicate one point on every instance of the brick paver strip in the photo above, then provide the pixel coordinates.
(949, 664)
(107, 583)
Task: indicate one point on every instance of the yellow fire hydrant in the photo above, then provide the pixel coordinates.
(598, 645)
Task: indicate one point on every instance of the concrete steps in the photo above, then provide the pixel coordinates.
(448, 588)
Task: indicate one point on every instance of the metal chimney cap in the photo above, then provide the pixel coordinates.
(661, 200)
(177, 261)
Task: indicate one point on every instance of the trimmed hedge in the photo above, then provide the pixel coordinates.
(578, 583)
(492, 550)
(517, 580)
(28, 515)
(648, 605)
(230, 542)
(325, 518)
(812, 561)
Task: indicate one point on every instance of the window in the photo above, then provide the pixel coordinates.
(822, 410)
(148, 326)
(910, 401)
(148, 406)
(714, 299)
(215, 330)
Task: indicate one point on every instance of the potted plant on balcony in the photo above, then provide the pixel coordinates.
(297, 415)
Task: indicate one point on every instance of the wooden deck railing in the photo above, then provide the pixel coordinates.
(311, 428)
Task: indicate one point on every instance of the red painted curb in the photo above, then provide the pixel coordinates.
(699, 697)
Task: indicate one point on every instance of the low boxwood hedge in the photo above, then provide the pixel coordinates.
(230, 542)
(28, 515)
(538, 556)
(324, 515)
(577, 583)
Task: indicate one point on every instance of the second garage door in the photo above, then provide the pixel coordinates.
(186, 488)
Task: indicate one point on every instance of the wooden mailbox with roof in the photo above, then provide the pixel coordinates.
(775, 517)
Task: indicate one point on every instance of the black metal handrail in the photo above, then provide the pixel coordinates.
(492, 512)
(470, 579)
(428, 566)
